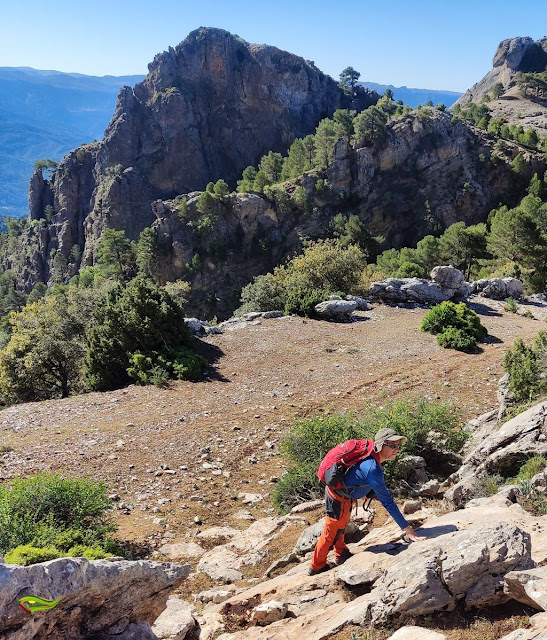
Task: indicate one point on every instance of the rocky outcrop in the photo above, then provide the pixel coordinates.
(498, 288)
(528, 587)
(447, 283)
(518, 439)
(101, 598)
(464, 560)
(511, 56)
(210, 107)
(207, 109)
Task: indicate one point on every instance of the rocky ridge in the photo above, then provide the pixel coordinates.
(430, 173)
(207, 109)
(513, 56)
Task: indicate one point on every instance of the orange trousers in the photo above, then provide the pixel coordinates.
(338, 515)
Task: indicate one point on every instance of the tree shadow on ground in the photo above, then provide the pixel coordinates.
(212, 354)
(483, 309)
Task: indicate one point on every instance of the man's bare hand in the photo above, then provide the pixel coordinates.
(413, 536)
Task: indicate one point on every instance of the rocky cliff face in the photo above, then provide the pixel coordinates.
(511, 56)
(207, 109)
(430, 174)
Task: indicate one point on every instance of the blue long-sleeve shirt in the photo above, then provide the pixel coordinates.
(367, 475)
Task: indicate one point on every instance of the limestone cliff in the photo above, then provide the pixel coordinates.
(207, 109)
(513, 56)
(430, 174)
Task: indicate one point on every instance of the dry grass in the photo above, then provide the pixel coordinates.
(491, 624)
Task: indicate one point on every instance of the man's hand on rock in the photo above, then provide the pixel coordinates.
(413, 536)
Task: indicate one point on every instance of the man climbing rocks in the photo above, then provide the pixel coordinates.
(359, 480)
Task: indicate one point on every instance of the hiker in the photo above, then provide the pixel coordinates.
(358, 481)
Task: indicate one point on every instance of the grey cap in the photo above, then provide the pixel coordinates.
(386, 435)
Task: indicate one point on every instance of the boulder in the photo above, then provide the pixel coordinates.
(99, 598)
(528, 587)
(362, 304)
(498, 288)
(200, 327)
(335, 309)
(451, 280)
(430, 488)
(412, 469)
(523, 436)
(219, 565)
(415, 290)
(217, 594)
(311, 505)
(175, 621)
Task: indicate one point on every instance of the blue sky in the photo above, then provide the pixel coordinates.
(425, 44)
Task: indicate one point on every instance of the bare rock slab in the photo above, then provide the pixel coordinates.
(528, 587)
(99, 598)
(416, 633)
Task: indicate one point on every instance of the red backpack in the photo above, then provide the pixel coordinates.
(340, 458)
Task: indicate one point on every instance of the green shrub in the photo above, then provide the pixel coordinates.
(138, 319)
(449, 315)
(525, 366)
(91, 553)
(458, 339)
(49, 510)
(262, 294)
(530, 468)
(27, 554)
(302, 301)
(487, 485)
(430, 427)
(511, 305)
(158, 368)
(298, 484)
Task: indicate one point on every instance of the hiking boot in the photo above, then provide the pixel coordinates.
(345, 555)
(314, 572)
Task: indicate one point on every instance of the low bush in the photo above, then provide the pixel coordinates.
(302, 301)
(530, 468)
(262, 294)
(48, 510)
(158, 368)
(430, 427)
(27, 554)
(324, 268)
(91, 553)
(526, 365)
(511, 305)
(458, 339)
(460, 325)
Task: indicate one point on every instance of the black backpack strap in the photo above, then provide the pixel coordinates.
(370, 497)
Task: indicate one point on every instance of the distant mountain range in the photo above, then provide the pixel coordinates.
(45, 114)
(414, 97)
